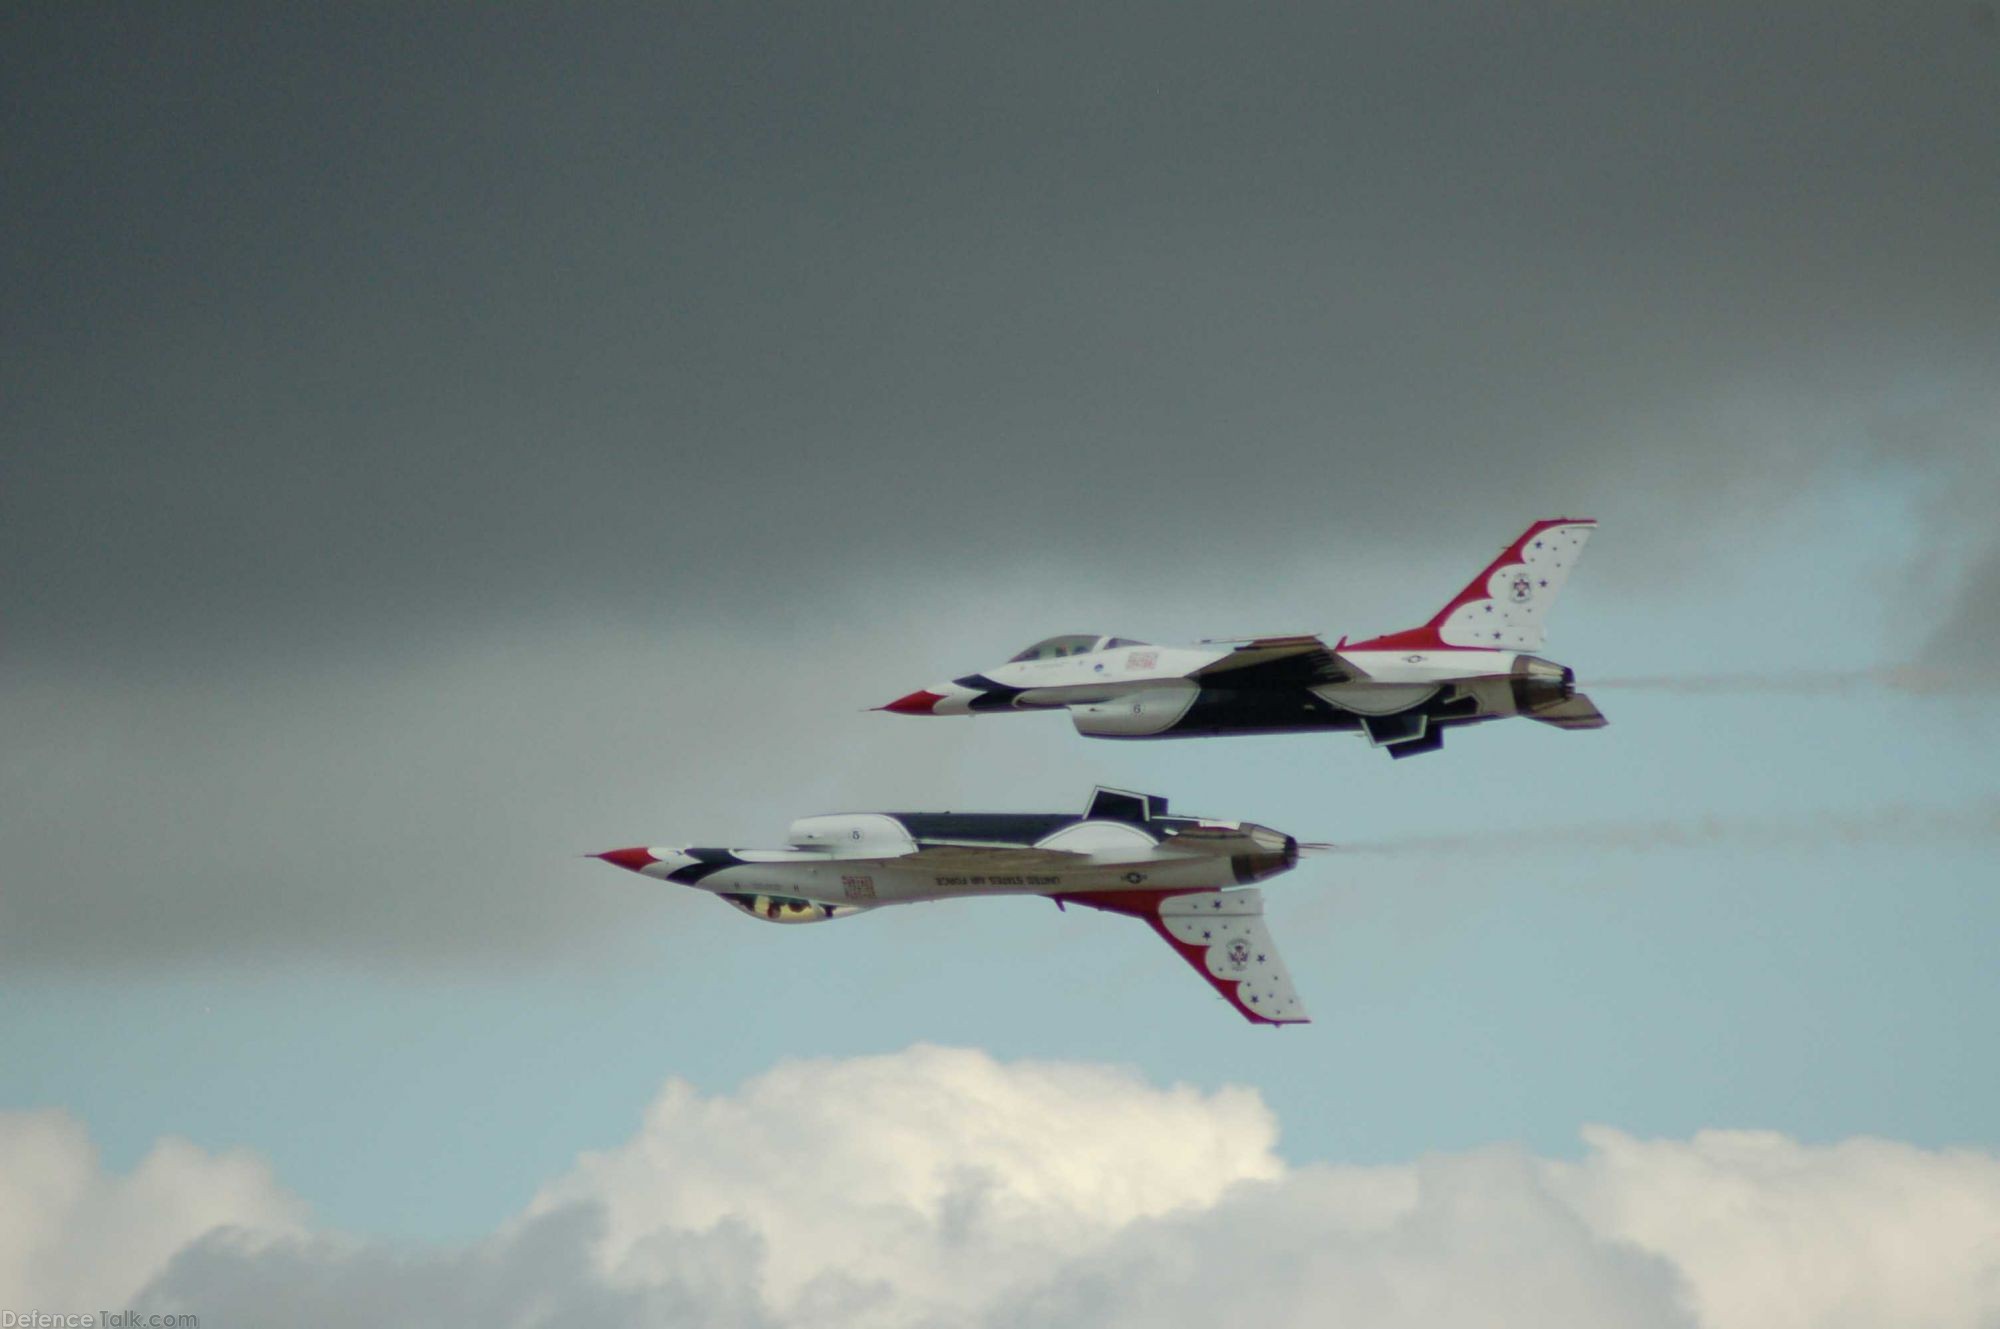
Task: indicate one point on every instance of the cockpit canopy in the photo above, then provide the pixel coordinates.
(1055, 648)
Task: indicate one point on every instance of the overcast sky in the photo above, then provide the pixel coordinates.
(439, 444)
(334, 330)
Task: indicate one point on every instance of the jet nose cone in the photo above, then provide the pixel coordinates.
(920, 702)
(634, 860)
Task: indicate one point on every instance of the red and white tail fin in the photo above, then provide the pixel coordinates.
(1506, 607)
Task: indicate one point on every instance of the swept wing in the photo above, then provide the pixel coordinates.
(972, 857)
(1277, 662)
(1222, 935)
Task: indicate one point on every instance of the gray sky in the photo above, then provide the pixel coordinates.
(332, 332)
(397, 404)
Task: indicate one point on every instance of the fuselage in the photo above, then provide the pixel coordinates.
(1188, 878)
(846, 862)
(1116, 688)
(1467, 664)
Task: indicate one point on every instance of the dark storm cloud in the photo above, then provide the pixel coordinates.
(347, 324)
(369, 368)
(427, 813)
(1969, 638)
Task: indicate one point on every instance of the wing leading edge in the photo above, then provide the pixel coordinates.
(970, 856)
(1277, 662)
(1222, 935)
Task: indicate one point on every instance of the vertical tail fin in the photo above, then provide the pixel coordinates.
(1506, 607)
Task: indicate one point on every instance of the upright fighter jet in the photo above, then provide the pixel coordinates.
(1471, 662)
(1125, 854)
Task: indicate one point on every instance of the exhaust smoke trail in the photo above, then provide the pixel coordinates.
(1914, 680)
(1870, 826)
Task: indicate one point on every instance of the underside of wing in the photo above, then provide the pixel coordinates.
(933, 856)
(1222, 935)
(1276, 662)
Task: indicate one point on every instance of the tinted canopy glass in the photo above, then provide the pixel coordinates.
(1057, 647)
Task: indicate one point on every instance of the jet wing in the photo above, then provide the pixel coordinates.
(1220, 933)
(1276, 662)
(972, 856)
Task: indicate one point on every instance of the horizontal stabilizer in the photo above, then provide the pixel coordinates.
(1222, 935)
(1574, 712)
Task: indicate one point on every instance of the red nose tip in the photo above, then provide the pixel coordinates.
(917, 703)
(635, 859)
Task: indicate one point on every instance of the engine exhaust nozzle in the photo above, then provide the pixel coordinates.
(1540, 684)
(1271, 852)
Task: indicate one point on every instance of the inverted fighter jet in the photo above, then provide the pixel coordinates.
(1125, 854)
(1471, 662)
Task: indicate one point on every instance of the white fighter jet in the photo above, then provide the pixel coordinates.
(1125, 854)
(1471, 662)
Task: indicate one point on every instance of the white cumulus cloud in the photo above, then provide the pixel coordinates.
(942, 1187)
(938, 1173)
(73, 1236)
(1774, 1234)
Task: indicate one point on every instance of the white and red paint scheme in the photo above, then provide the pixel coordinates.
(1185, 876)
(1471, 662)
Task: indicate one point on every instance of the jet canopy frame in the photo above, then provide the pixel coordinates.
(1072, 643)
